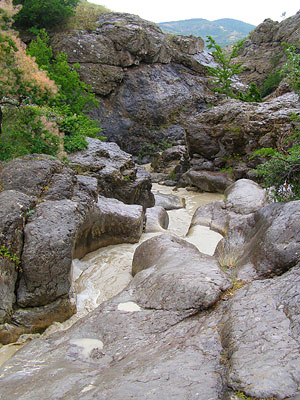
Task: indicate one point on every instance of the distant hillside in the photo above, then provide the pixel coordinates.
(225, 31)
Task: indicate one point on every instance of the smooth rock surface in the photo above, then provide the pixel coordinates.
(173, 275)
(168, 201)
(157, 219)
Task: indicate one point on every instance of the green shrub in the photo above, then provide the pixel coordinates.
(24, 133)
(43, 13)
(271, 83)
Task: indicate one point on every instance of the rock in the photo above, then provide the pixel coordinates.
(208, 181)
(168, 201)
(171, 274)
(123, 350)
(118, 176)
(140, 359)
(228, 134)
(263, 53)
(14, 207)
(147, 82)
(256, 352)
(50, 216)
(157, 219)
(272, 246)
(245, 197)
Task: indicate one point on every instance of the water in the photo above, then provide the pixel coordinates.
(104, 273)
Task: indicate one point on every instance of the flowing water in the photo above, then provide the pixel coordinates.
(104, 273)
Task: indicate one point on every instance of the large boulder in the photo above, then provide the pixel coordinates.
(208, 181)
(173, 275)
(147, 82)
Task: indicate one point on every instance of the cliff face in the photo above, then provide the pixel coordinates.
(147, 81)
(263, 51)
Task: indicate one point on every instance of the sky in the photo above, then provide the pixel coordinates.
(254, 11)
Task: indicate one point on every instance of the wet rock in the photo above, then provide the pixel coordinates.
(261, 336)
(172, 274)
(272, 243)
(118, 176)
(50, 216)
(168, 201)
(245, 197)
(112, 222)
(157, 219)
(208, 181)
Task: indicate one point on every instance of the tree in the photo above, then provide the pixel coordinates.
(281, 172)
(226, 69)
(21, 80)
(43, 13)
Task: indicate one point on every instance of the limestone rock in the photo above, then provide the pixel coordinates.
(14, 207)
(171, 274)
(168, 201)
(157, 219)
(261, 337)
(262, 51)
(245, 197)
(208, 181)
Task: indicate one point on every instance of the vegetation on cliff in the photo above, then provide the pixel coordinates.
(42, 97)
(281, 172)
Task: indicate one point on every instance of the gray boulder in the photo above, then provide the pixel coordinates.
(245, 197)
(261, 337)
(208, 181)
(173, 275)
(157, 219)
(225, 136)
(168, 201)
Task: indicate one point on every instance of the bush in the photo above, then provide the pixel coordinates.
(43, 13)
(271, 83)
(24, 133)
(85, 17)
(282, 175)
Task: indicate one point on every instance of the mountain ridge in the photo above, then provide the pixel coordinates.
(225, 31)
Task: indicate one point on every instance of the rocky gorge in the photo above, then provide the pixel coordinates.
(188, 324)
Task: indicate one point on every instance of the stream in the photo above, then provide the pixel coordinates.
(105, 272)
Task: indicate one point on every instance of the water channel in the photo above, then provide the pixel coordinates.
(105, 272)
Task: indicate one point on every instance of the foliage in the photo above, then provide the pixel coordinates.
(73, 92)
(85, 17)
(24, 132)
(43, 13)
(281, 172)
(74, 96)
(20, 78)
(5, 253)
(292, 66)
(226, 69)
(271, 83)
(253, 94)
